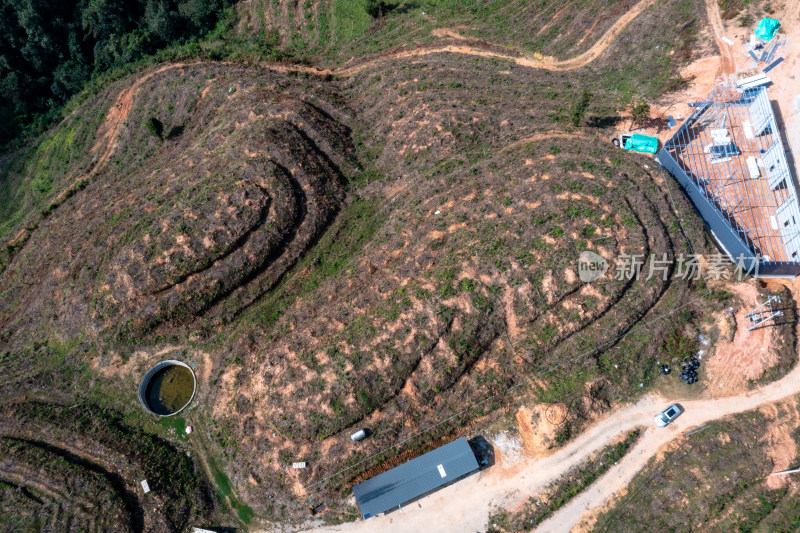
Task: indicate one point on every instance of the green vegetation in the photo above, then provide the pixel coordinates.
(579, 108)
(225, 493)
(355, 227)
(155, 127)
(390, 245)
(679, 346)
(377, 8)
(538, 508)
(49, 50)
(714, 480)
(72, 43)
(640, 112)
(176, 424)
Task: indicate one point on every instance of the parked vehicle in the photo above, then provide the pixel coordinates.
(665, 417)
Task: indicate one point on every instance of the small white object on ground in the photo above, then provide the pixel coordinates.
(727, 41)
(301, 464)
(188, 429)
(145, 486)
(437, 212)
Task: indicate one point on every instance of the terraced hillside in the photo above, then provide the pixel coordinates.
(343, 28)
(469, 286)
(391, 244)
(78, 468)
(246, 178)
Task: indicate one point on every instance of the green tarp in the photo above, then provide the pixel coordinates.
(642, 143)
(767, 28)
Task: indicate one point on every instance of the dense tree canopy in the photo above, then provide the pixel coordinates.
(49, 49)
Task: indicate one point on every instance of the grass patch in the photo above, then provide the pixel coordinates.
(350, 19)
(176, 423)
(224, 490)
(355, 226)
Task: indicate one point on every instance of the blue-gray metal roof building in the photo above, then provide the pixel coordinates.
(415, 478)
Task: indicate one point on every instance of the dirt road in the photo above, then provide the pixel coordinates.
(109, 131)
(537, 61)
(466, 505)
(727, 63)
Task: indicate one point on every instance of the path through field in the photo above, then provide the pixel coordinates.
(537, 61)
(109, 131)
(727, 64)
(466, 505)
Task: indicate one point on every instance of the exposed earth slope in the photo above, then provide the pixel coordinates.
(385, 241)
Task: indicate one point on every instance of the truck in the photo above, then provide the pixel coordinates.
(636, 142)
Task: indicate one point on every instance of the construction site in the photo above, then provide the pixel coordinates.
(730, 159)
(317, 267)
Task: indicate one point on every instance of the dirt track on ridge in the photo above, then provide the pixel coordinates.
(109, 131)
(467, 504)
(537, 61)
(727, 64)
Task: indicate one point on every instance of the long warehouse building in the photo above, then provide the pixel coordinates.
(415, 478)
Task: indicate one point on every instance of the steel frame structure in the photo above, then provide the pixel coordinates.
(730, 159)
(764, 313)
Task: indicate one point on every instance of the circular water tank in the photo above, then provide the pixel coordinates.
(167, 388)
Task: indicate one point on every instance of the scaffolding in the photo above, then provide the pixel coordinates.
(730, 159)
(764, 313)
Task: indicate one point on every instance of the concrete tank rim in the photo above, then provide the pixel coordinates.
(149, 375)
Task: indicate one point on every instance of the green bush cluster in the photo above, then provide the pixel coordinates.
(49, 50)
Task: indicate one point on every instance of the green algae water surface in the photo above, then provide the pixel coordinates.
(170, 389)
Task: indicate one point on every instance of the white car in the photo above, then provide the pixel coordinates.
(665, 417)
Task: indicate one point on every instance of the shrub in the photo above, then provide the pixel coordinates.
(155, 127)
(377, 8)
(640, 112)
(579, 107)
(679, 345)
